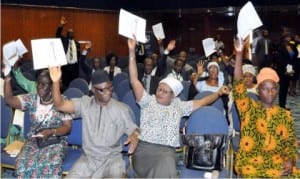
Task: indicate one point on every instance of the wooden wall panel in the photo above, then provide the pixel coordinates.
(100, 27)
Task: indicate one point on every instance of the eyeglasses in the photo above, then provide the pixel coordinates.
(105, 89)
(165, 92)
(267, 89)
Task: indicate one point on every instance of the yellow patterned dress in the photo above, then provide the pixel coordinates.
(267, 137)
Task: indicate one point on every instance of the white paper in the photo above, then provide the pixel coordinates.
(248, 19)
(289, 68)
(1, 87)
(9, 50)
(7, 67)
(84, 41)
(209, 46)
(47, 53)
(21, 49)
(158, 31)
(130, 24)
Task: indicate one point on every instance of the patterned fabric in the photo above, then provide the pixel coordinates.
(159, 123)
(33, 162)
(267, 137)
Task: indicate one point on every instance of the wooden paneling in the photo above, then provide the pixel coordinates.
(100, 27)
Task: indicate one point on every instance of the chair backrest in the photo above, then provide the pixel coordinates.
(80, 84)
(207, 120)
(235, 118)
(129, 99)
(73, 93)
(253, 96)
(6, 116)
(119, 78)
(217, 104)
(122, 88)
(75, 136)
(185, 92)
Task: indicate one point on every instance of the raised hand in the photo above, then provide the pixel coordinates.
(200, 67)
(238, 44)
(171, 45)
(88, 45)
(63, 20)
(131, 44)
(55, 73)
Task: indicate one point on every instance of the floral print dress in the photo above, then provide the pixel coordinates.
(33, 162)
(267, 137)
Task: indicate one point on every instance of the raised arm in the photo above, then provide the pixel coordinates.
(61, 26)
(10, 99)
(137, 86)
(26, 84)
(238, 47)
(60, 103)
(82, 59)
(162, 64)
(224, 90)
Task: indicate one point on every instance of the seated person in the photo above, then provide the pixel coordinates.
(32, 161)
(105, 120)
(112, 69)
(155, 155)
(268, 142)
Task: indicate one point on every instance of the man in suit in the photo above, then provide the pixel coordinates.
(263, 51)
(149, 81)
(72, 50)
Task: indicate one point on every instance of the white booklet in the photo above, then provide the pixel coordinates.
(248, 20)
(12, 51)
(158, 31)
(209, 46)
(130, 24)
(48, 53)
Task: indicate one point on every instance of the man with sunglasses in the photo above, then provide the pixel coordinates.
(105, 120)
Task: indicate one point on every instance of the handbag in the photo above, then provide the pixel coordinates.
(44, 142)
(205, 152)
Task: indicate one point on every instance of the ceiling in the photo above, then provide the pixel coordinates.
(156, 5)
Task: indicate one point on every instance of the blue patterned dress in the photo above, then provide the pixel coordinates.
(33, 162)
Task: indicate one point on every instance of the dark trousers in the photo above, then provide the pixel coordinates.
(283, 89)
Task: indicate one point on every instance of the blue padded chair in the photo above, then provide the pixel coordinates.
(6, 118)
(81, 84)
(185, 92)
(6, 160)
(75, 142)
(73, 93)
(205, 120)
(75, 137)
(119, 78)
(122, 88)
(217, 104)
(253, 96)
(129, 99)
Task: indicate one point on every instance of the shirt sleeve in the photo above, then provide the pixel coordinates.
(27, 101)
(243, 102)
(27, 85)
(186, 107)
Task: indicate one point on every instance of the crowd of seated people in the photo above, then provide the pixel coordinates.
(156, 85)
